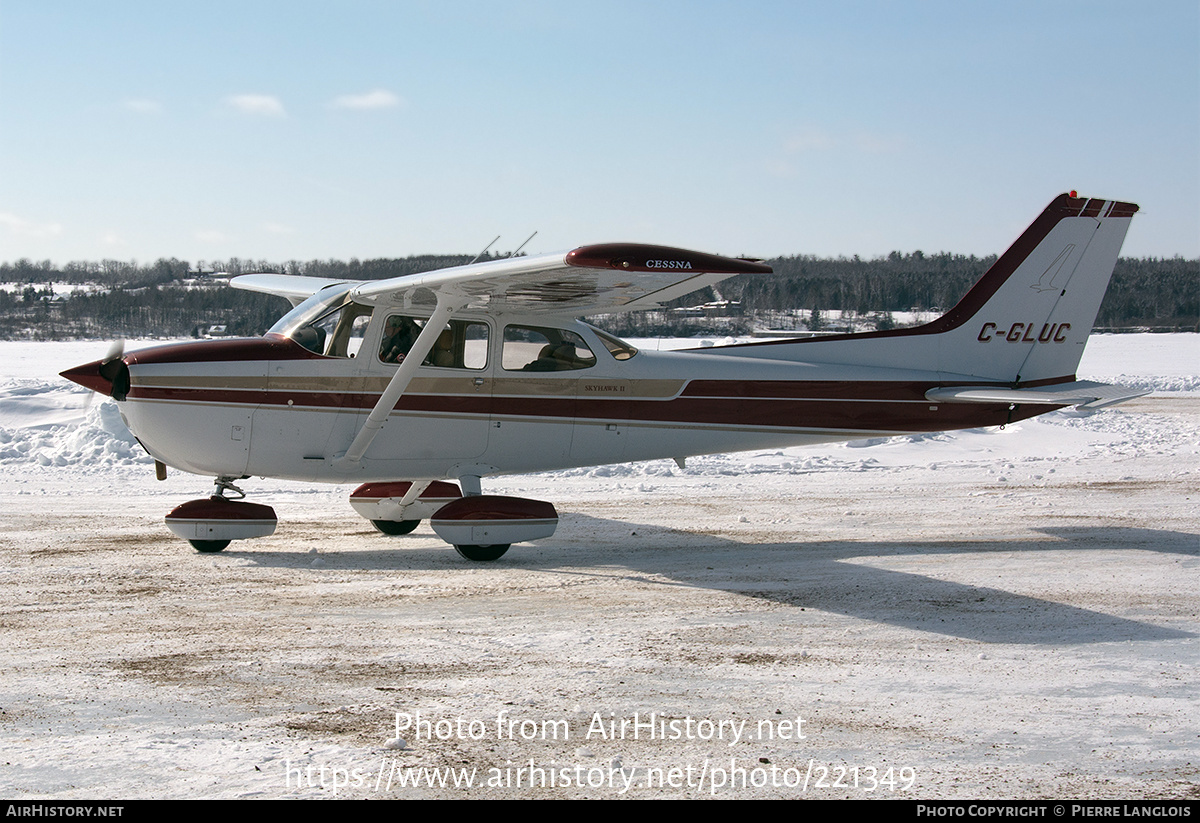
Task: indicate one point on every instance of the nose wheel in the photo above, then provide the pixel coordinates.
(209, 546)
(211, 523)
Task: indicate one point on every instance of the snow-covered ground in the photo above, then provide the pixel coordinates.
(991, 613)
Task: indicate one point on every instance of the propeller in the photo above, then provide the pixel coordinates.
(116, 350)
(114, 370)
(109, 376)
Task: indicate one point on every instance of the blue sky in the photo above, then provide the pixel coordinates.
(301, 130)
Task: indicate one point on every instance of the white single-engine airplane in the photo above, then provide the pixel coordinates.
(481, 370)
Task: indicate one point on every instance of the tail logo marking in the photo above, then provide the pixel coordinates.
(1046, 281)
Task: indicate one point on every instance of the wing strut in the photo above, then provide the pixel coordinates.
(446, 305)
(415, 489)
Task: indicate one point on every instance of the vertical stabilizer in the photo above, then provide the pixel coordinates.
(1029, 317)
(1026, 320)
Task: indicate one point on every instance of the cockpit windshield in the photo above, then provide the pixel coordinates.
(328, 323)
(310, 309)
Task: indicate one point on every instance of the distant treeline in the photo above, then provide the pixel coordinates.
(1143, 292)
(166, 298)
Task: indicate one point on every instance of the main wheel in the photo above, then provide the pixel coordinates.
(483, 552)
(209, 546)
(395, 527)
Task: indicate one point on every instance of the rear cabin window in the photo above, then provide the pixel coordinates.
(531, 348)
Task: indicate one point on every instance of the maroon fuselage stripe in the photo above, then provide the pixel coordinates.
(874, 406)
(809, 389)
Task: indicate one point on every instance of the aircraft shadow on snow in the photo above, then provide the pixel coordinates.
(811, 575)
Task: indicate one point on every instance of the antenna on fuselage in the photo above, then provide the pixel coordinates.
(485, 248)
(527, 239)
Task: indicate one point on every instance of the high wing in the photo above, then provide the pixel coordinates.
(596, 279)
(294, 287)
(609, 277)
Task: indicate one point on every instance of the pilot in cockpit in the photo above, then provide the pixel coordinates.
(398, 337)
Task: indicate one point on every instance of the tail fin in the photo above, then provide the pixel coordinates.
(1026, 320)
(1030, 315)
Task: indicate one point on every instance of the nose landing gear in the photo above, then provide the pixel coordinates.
(210, 523)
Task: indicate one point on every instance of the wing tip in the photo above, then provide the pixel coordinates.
(641, 257)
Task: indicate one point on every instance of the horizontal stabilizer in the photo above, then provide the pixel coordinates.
(1085, 394)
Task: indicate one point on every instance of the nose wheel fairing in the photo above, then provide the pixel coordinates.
(210, 521)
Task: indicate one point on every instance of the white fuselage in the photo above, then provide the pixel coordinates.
(266, 407)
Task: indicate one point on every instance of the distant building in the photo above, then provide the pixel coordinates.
(717, 308)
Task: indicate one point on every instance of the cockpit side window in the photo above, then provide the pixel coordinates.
(347, 326)
(532, 348)
(399, 333)
(462, 344)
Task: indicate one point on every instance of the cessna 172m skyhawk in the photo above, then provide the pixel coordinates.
(408, 384)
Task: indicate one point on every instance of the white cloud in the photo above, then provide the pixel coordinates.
(803, 141)
(780, 168)
(263, 104)
(878, 143)
(278, 228)
(815, 140)
(808, 140)
(210, 236)
(28, 228)
(142, 105)
(376, 99)
(111, 239)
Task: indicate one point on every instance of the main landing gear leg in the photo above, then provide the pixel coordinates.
(472, 486)
(398, 506)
